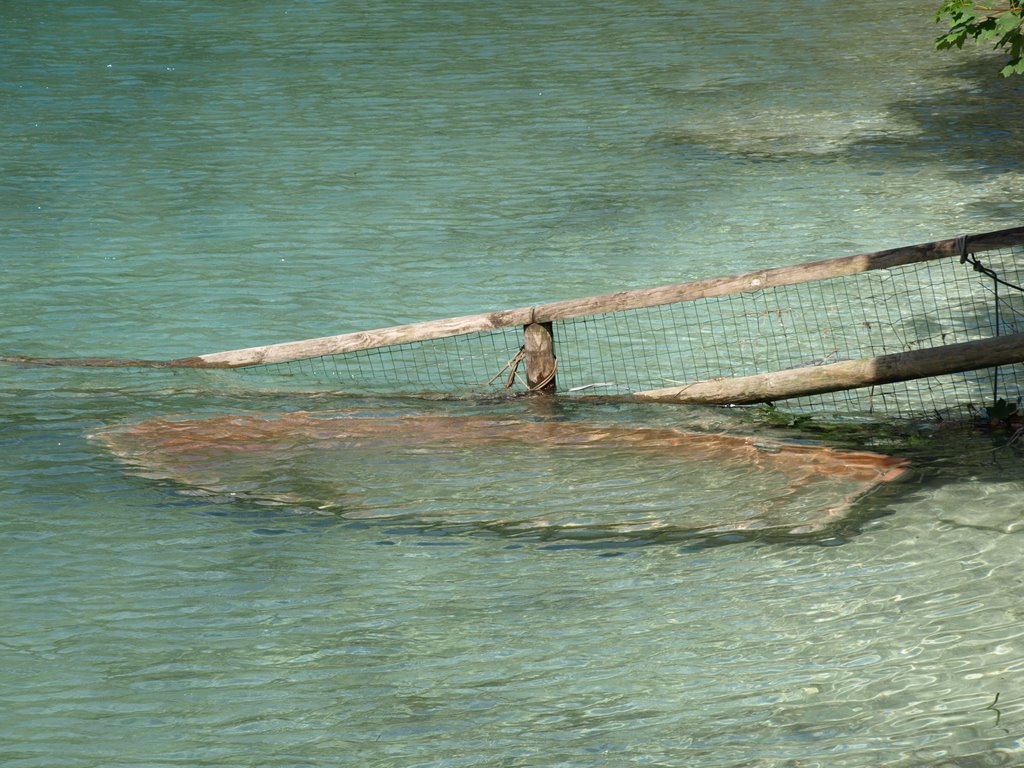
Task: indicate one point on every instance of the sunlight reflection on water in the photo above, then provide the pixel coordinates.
(180, 179)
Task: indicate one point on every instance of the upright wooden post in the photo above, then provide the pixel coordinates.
(540, 357)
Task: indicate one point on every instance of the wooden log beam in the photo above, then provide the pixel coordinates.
(772, 278)
(612, 302)
(561, 310)
(360, 340)
(849, 374)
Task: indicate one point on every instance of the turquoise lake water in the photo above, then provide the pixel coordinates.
(181, 178)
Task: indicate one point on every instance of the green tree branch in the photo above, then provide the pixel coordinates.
(1002, 26)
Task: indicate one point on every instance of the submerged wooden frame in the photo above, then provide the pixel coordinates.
(193, 452)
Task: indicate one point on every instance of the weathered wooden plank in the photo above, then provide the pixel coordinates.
(612, 302)
(772, 278)
(849, 374)
(540, 357)
(561, 310)
(360, 340)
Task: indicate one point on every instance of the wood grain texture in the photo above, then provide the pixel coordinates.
(540, 357)
(849, 374)
(559, 310)
(613, 302)
(360, 340)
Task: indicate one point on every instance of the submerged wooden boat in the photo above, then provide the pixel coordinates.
(477, 470)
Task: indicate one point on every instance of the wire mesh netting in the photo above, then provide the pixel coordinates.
(916, 306)
(468, 363)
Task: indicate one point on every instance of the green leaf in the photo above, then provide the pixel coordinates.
(1008, 22)
(1002, 27)
(952, 7)
(1013, 68)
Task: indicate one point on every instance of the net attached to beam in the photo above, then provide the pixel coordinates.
(884, 311)
(916, 306)
(466, 364)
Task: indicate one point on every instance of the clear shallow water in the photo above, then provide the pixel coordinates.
(179, 180)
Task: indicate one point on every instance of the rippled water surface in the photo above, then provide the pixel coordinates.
(180, 178)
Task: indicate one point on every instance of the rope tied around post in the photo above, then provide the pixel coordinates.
(512, 366)
(546, 381)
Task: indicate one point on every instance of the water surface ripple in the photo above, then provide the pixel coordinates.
(180, 178)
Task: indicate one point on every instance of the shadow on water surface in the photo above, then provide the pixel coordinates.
(962, 121)
(265, 520)
(968, 114)
(970, 122)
